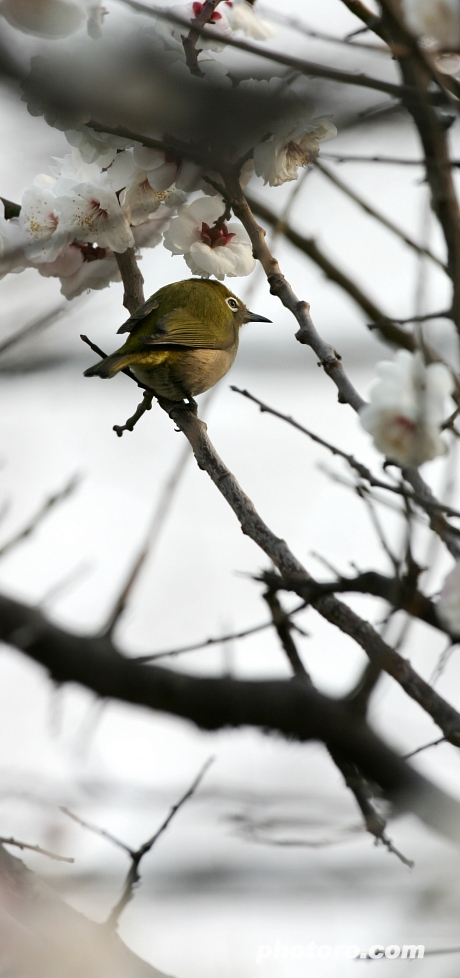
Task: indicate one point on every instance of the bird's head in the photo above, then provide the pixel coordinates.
(230, 303)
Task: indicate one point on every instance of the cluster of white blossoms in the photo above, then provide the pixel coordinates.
(112, 193)
(407, 408)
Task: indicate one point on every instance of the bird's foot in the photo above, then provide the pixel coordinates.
(192, 405)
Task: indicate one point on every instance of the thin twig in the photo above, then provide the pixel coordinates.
(152, 535)
(279, 286)
(96, 829)
(43, 852)
(47, 506)
(283, 626)
(432, 743)
(232, 636)
(133, 876)
(129, 425)
(375, 823)
(308, 68)
(373, 212)
(417, 73)
(34, 326)
(358, 467)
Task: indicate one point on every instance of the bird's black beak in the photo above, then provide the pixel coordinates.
(252, 317)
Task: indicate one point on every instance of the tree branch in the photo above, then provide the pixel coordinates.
(279, 286)
(293, 709)
(132, 279)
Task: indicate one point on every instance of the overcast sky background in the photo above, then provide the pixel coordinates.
(219, 883)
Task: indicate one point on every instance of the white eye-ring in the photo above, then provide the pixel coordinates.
(232, 303)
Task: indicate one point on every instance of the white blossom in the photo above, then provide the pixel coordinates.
(293, 143)
(218, 26)
(96, 147)
(438, 20)
(67, 263)
(44, 18)
(209, 247)
(150, 233)
(448, 606)
(407, 407)
(91, 275)
(139, 201)
(242, 17)
(44, 236)
(162, 171)
(92, 213)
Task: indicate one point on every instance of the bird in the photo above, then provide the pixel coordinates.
(182, 340)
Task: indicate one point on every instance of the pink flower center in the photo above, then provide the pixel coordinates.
(198, 7)
(96, 205)
(216, 236)
(406, 423)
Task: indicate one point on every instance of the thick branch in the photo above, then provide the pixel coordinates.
(329, 607)
(387, 329)
(433, 137)
(132, 279)
(292, 708)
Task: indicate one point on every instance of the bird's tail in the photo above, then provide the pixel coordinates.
(110, 366)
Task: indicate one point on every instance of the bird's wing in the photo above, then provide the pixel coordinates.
(140, 314)
(180, 328)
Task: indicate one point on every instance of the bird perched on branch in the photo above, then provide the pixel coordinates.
(182, 340)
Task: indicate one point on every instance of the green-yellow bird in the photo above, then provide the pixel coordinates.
(182, 340)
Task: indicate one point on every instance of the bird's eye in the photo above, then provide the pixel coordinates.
(232, 303)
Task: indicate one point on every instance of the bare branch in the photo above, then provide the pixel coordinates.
(417, 74)
(137, 855)
(294, 709)
(129, 425)
(432, 743)
(369, 209)
(153, 532)
(308, 68)
(34, 326)
(279, 286)
(232, 636)
(36, 520)
(96, 829)
(43, 852)
(283, 625)
(358, 467)
(132, 279)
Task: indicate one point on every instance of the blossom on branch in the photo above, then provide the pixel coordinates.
(242, 17)
(218, 26)
(91, 275)
(208, 244)
(407, 407)
(92, 213)
(96, 147)
(437, 20)
(44, 236)
(448, 606)
(139, 201)
(293, 143)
